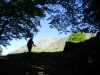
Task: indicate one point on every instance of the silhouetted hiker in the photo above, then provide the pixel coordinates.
(29, 46)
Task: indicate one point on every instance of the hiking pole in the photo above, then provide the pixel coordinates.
(34, 48)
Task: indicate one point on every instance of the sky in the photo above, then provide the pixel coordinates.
(45, 32)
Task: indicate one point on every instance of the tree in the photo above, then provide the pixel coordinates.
(76, 37)
(1, 49)
(82, 15)
(92, 12)
(20, 18)
(70, 18)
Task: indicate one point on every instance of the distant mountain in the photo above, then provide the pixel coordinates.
(49, 44)
(44, 44)
(89, 35)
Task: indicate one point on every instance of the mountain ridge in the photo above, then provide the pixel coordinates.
(49, 44)
(46, 43)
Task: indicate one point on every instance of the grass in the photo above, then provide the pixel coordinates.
(77, 62)
(53, 50)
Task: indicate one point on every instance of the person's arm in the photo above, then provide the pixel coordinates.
(33, 44)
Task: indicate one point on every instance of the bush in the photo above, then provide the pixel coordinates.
(76, 37)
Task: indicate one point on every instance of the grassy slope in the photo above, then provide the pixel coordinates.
(45, 50)
(60, 44)
(61, 41)
(78, 62)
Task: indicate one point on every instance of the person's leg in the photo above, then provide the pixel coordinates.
(29, 52)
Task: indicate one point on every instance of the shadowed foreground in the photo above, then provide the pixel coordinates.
(83, 62)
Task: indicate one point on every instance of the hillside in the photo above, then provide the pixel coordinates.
(49, 44)
(76, 62)
(44, 44)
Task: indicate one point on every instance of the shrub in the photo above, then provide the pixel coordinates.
(76, 37)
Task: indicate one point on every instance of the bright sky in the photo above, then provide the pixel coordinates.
(45, 32)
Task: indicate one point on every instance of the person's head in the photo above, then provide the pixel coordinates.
(31, 39)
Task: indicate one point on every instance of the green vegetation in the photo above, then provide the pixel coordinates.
(47, 50)
(61, 41)
(76, 37)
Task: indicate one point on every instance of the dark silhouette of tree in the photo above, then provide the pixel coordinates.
(20, 18)
(70, 18)
(92, 12)
(75, 15)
